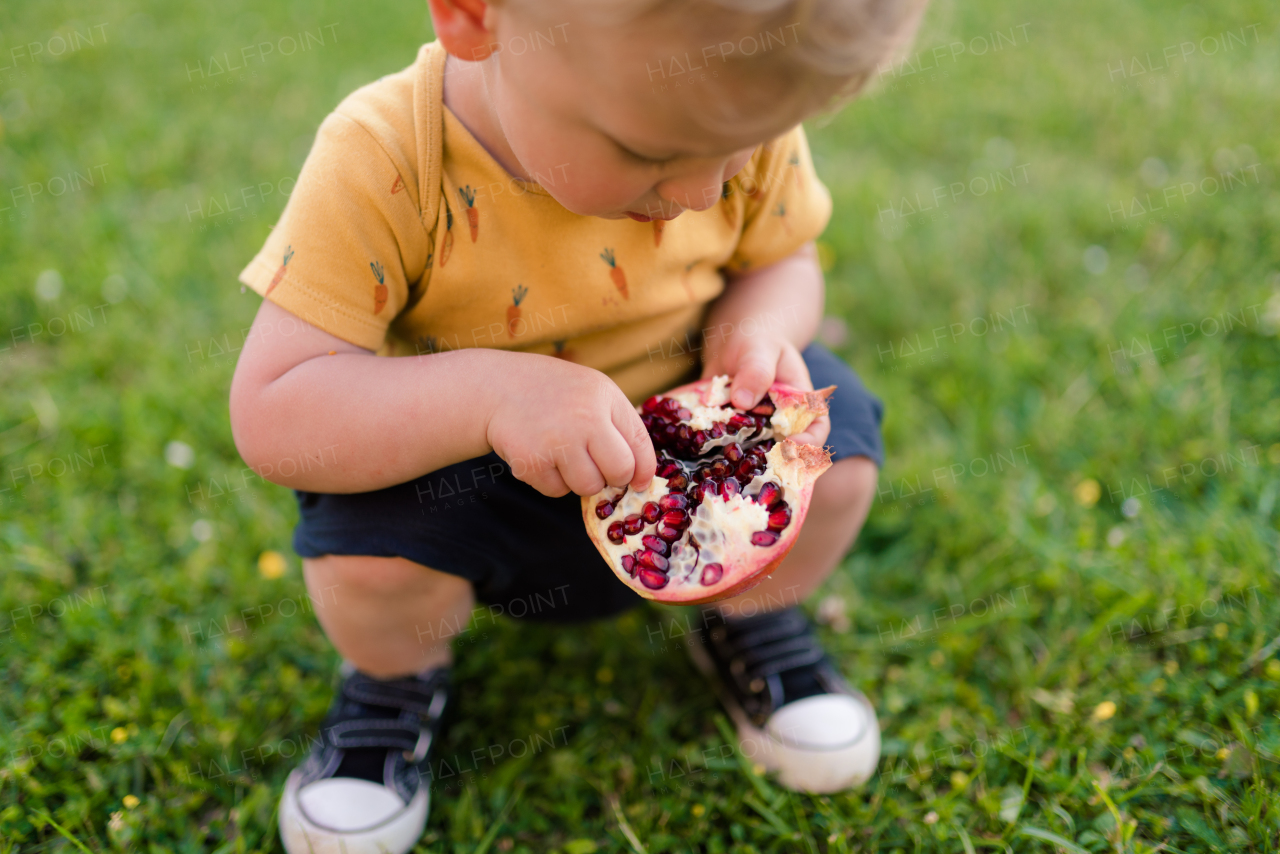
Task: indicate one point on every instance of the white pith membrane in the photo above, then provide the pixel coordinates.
(720, 528)
(785, 421)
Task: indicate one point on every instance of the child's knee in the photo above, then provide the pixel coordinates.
(361, 575)
(849, 483)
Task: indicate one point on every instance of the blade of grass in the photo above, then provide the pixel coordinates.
(61, 830)
(775, 821)
(1046, 836)
(624, 826)
(492, 832)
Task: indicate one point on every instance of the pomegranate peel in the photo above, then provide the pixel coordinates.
(728, 500)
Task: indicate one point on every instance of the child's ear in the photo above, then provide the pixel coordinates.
(461, 27)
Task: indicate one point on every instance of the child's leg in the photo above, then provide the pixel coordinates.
(841, 499)
(389, 617)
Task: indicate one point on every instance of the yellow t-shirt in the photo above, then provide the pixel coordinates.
(404, 236)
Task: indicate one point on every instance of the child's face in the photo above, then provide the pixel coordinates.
(589, 119)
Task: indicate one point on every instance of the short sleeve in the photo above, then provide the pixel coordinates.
(784, 204)
(350, 249)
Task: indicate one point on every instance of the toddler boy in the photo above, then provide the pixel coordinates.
(557, 210)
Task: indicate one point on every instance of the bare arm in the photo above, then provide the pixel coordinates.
(785, 299)
(762, 322)
(298, 390)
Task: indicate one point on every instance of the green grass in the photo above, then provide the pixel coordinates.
(992, 618)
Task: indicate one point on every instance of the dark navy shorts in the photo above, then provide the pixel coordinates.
(525, 554)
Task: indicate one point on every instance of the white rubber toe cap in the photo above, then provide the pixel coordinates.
(822, 744)
(342, 815)
(347, 805)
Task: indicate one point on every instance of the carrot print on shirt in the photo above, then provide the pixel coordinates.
(473, 216)
(615, 272)
(380, 289)
(446, 245)
(780, 211)
(561, 352)
(275, 280)
(397, 185)
(725, 207)
(684, 279)
(658, 226)
(518, 294)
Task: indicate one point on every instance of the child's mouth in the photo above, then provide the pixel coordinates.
(642, 218)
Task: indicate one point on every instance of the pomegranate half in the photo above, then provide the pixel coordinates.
(728, 500)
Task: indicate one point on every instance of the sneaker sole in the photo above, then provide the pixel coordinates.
(396, 835)
(819, 771)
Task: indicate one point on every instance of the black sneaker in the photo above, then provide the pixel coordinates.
(360, 790)
(795, 713)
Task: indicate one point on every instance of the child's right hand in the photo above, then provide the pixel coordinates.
(567, 428)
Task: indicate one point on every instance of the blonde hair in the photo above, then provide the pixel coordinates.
(814, 55)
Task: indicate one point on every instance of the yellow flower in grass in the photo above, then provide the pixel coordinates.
(1087, 492)
(272, 564)
(1105, 711)
(119, 735)
(130, 802)
(698, 810)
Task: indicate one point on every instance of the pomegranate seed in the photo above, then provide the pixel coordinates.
(669, 405)
(721, 468)
(633, 524)
(729, 487)
(668, 533)
(733, 452)
(667, 470)
(764, 408)
(676, 518)
(780, 517)
(651, 405)
(604, 510)
(650, 512)
(652, 580)
(764, 538)
(766, 446)
(769, 495)
(673, 501)
(654, 561)
(615, 533)
(711, 573)
(746, 471)
(717, 430)
(700, 438)
(677, 481)
(683, 414)
(684, 433)
(737, 421)
(629, 564)
(654, 544)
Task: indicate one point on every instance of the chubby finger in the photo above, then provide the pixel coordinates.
(612, 456)
(816, 433)
(579, 471)
(792, 370)
(756, 370)
(547, 481)
(631, 430)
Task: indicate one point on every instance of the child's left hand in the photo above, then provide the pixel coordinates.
(756, 362)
